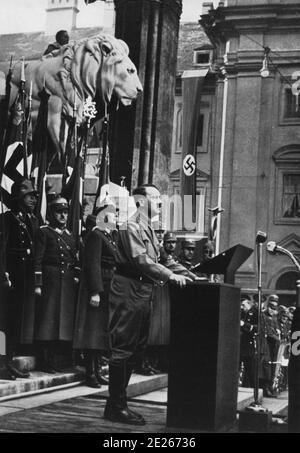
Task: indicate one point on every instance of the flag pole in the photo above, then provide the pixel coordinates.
(76, 157)
(89, 112)
(24, 119)
(5, 118)
(104, 164)
(3, 139)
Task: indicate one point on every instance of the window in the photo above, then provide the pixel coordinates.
(289, 104)
(287, 185)
(287, 282)
(178, 143)
(292, 104)
(291, 193)
(202, 57)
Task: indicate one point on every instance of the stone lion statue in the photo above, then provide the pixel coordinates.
(80, 69)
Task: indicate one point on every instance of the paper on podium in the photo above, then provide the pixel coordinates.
(226, 263)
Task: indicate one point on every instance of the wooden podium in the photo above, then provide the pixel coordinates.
(204, 355)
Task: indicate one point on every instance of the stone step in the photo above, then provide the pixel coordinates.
(37, 381)
(29, 362)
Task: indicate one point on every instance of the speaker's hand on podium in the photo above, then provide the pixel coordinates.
(180, 280)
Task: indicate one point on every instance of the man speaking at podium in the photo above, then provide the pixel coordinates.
(130, 298)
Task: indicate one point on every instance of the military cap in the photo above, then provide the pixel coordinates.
(21, 188)
(273, 298)
(170, 237)
(273, 301)
(106, 203)
(282, 309)
(58, 204)
(188, 243)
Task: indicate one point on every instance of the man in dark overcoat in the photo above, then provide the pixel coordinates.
(55, 265)
(137, 270)
(91, 325)
(19, 227)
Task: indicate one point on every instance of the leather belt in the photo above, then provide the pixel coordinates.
(133, 275)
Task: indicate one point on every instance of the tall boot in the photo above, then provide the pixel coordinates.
(46, 359)
(130, 366)
(90, 376)
(5, 373)
(116, 409)
(98, 369)
(12, 370)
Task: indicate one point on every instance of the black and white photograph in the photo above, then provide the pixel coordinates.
(149, 206)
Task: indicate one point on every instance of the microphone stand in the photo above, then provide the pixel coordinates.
(256, 405)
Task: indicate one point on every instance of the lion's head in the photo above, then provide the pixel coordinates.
(102, 63)
(98, 65)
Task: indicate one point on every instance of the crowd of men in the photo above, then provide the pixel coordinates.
(47, 301)
(97, 295)
(274, 338)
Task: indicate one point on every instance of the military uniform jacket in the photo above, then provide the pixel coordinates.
(272, 333)
(187, 264)
(91, 326)
(131, 293)
(138, 252)
(16, 260)
(171, 262)
(55, 263)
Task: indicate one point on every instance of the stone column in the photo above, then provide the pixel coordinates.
(141, 136)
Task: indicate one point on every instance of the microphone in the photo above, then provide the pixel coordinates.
(261, 237)
(272, 247)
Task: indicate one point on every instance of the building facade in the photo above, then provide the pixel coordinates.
(257, 133)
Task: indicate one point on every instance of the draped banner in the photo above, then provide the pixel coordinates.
(192, 82)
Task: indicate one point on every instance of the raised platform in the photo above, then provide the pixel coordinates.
(143, 389)
(38, 381)
(245, 397)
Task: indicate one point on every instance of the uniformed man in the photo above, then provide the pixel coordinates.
(246, 347)
(55, 272)
(272, 334)
(130, 298)
(284, 323)
(168, 258)
(19, 227)
(187, 253)
(91, 335)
